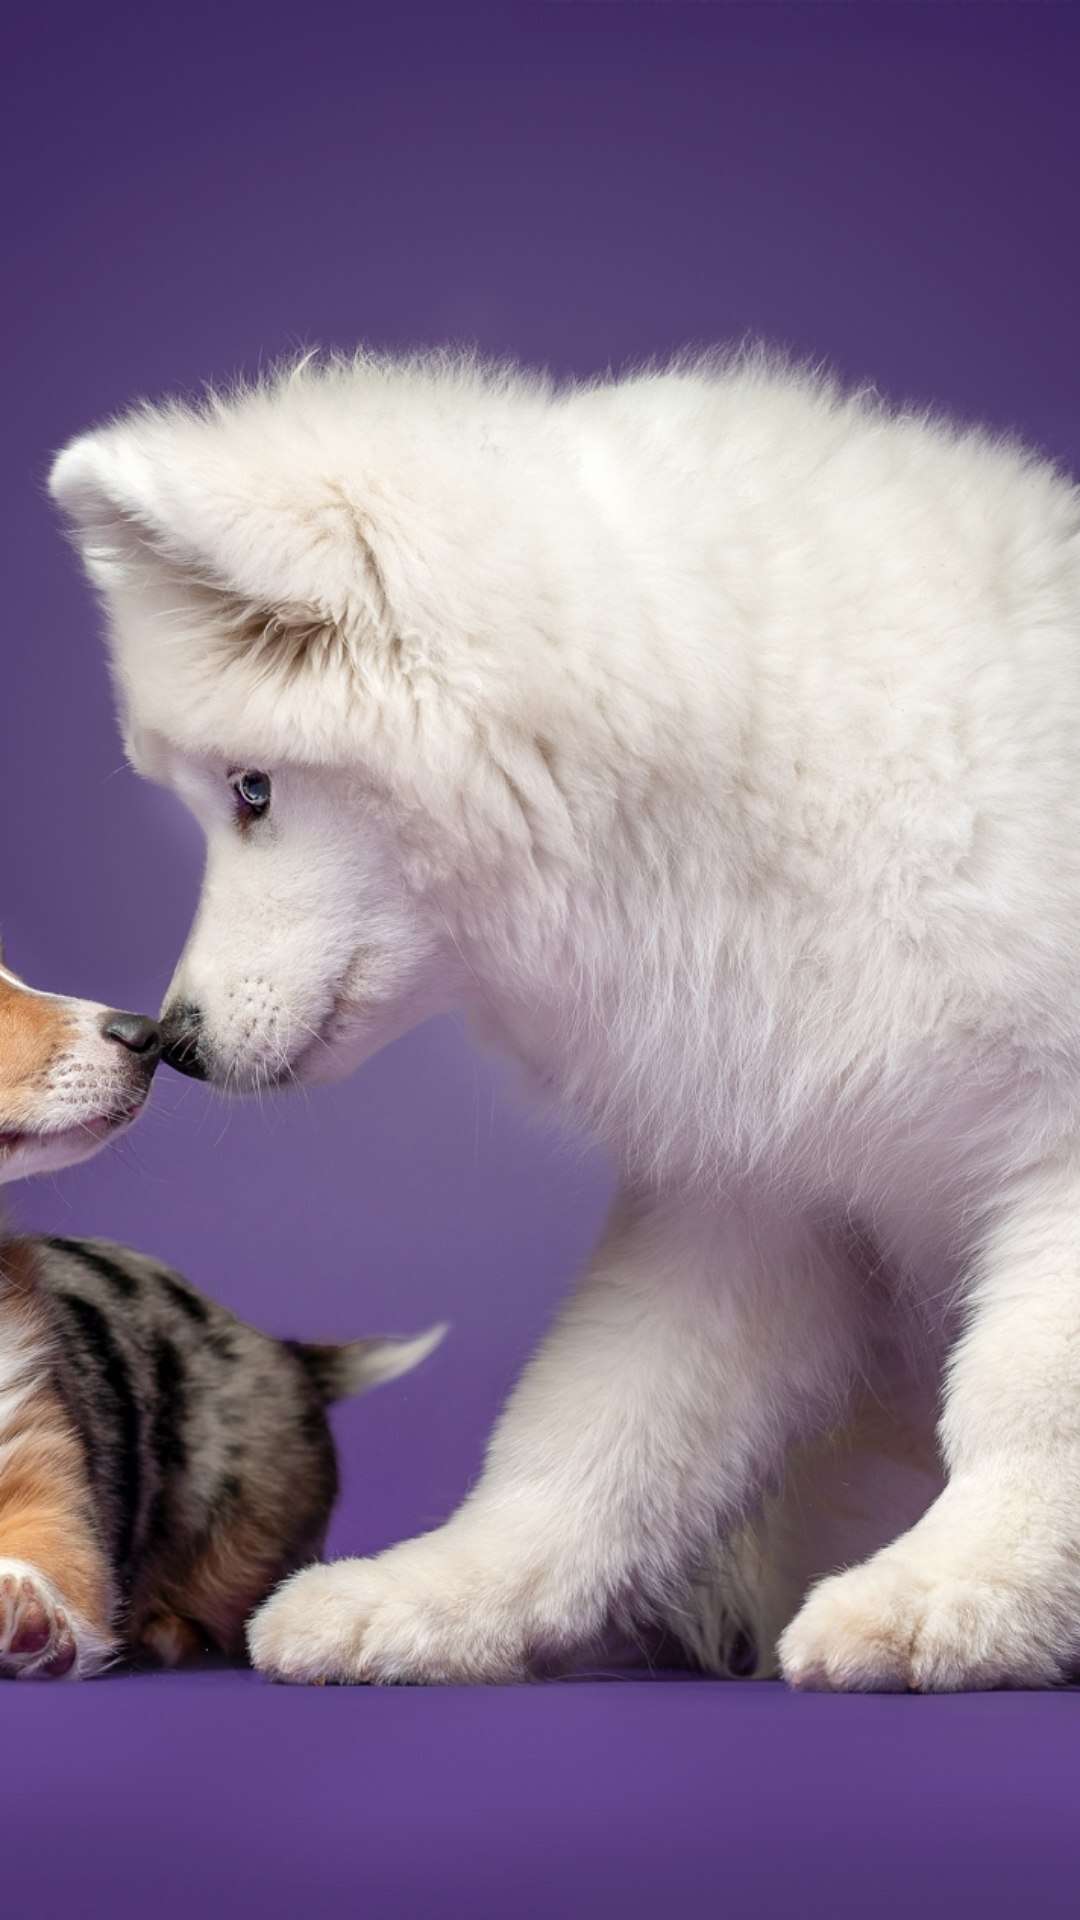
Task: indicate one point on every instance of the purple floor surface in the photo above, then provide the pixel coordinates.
(212, 1794)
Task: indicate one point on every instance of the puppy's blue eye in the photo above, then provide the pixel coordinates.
(252, 790)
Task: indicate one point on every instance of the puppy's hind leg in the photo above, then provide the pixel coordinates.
(984, 1590)
(842, 1496)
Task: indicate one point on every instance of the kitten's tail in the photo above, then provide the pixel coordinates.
(339, 1372)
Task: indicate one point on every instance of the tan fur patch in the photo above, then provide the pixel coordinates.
(46, 1506)
(227, 1582)
(33, 1031)
(170, 1640)
(18, 1279)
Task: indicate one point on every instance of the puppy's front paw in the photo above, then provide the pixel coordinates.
(899, 1624)
(37, 1639)
(425, 1613)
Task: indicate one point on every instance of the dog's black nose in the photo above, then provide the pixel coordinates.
(135, 1032)
(180, 1031)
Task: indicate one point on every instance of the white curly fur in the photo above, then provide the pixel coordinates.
(713, 738)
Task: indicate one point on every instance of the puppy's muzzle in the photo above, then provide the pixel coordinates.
(182, 1043)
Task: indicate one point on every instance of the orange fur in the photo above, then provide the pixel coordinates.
(33, 1031)
(237, 1569)
(46, 1506)
(170, 1640)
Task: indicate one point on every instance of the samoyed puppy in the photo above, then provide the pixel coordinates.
(711, 737)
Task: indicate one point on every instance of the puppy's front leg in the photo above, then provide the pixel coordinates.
(656, 1407)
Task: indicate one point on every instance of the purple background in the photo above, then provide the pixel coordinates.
(191, 192)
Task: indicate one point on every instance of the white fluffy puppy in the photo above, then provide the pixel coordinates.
(713, 739)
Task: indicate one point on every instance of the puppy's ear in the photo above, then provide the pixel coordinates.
(109, 498)
(234, 553)
(223, 505)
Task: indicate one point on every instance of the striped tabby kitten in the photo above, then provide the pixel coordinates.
(162, 1465)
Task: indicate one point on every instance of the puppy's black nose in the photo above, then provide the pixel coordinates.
(180, 1031)
(135, 1032)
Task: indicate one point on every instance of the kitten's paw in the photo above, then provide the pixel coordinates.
(41, 1636)
(37, 1639)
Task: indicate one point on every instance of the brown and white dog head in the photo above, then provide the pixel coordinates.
(72, 1074)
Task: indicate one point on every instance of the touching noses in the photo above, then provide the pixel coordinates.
(181, 1032)
(136, 1033)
